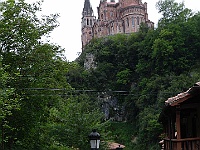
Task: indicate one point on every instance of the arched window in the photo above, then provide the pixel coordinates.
(119, 27)
(138, 21)
(127, 22)
(91, 22)
(111, 14)
(87, 22)
(105, 14)
(133, 21)
(102, 16)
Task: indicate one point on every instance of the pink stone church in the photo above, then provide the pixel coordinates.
(123, 17)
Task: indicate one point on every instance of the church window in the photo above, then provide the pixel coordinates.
(119, 28)
(87, 22)
(133, 21)
(109, 31)
(91, 22)
(102, 16)
(127, 22)
(138, 21)
(111, 14)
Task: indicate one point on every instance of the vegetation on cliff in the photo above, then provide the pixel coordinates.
(151, 65)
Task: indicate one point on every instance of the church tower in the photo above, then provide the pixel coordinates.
(88, 20)
(122, 17)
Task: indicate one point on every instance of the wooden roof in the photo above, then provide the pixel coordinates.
(113, 145)
(181, 97)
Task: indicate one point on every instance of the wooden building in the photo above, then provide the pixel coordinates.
(181, 120)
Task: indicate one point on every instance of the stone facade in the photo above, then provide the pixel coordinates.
(124, 16)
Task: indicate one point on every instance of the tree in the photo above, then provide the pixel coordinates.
(170, 50)
(172, 12)
(9, 102)
(38, 73)
(71, 122)
(32, 65)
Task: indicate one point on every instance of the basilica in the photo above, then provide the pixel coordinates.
(124, 16)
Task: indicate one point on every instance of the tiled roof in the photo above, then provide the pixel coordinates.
(181, 97)
(113, 146)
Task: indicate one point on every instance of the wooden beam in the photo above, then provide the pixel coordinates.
(178, 126)
(191, 105)
(180, 100)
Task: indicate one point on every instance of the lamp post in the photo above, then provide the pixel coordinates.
(94, 138)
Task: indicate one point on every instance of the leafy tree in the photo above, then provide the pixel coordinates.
(37, 65)
(146, 64)
(38, 73)
(172, 12)
(72, 122)
(9, 102)
(149, 128)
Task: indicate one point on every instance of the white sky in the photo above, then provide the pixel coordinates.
(68, 34)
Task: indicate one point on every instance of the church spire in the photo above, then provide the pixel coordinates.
(87, 10)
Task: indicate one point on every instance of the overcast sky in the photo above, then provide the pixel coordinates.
(68, 34)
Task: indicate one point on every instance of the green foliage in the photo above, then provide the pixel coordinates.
(149, 128)
(71, 122)
(9, 102)
(172, 12)
(122, 132)
(38, 110)
(123, 77)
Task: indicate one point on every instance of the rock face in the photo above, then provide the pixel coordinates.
(110, 107)
(89, 62)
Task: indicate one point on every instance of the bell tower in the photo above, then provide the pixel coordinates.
(88, 20)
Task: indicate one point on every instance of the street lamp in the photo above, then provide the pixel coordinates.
(94, 138)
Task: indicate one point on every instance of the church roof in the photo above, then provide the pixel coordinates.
(87, 10)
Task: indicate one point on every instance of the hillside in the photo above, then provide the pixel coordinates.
(143, 69)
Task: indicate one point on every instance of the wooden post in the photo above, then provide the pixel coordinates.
(178, 126)
(170, 132)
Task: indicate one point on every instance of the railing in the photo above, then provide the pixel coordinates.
(185, 144)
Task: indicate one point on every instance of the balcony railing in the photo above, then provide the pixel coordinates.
(186, 144)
